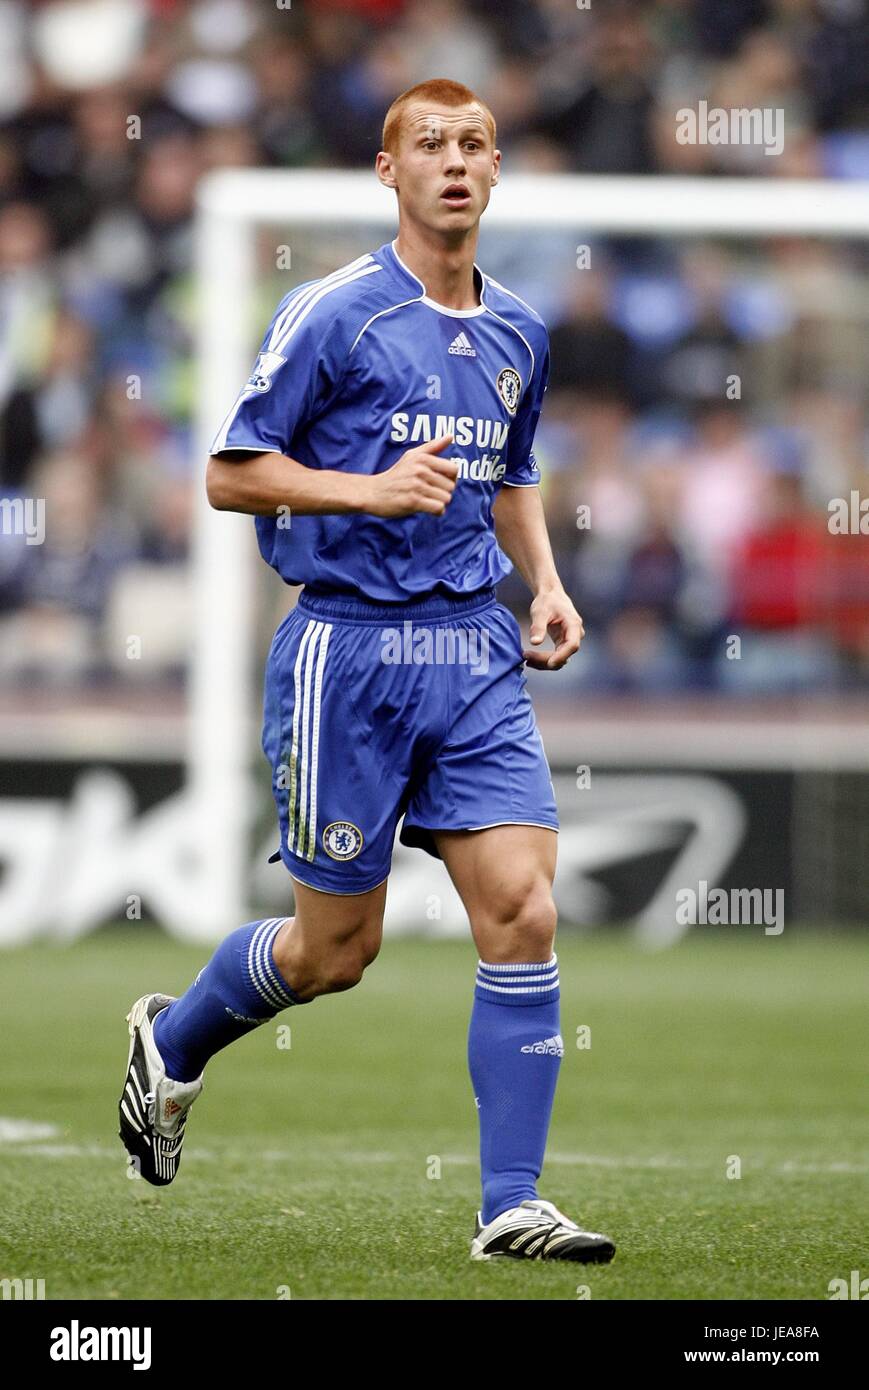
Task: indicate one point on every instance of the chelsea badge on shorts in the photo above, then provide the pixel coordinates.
(342, 840)
(509, 385)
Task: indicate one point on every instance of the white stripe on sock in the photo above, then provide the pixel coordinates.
(272, 975)
(257, 975)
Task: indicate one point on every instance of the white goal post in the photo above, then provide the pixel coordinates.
(231, 204)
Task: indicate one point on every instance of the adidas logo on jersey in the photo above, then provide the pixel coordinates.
(461, 347)
(549, 1047)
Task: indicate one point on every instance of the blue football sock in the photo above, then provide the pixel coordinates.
(514, 1055)
(239, 988)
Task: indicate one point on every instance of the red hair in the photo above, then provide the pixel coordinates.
(439, 91)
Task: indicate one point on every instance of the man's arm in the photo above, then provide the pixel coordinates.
(520, 529)
(262, 484)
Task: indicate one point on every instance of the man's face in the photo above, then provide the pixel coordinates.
(444, 167)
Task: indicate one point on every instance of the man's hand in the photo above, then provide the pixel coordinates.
(554, 613)
(421, 481)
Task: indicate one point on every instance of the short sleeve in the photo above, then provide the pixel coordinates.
(296, 371)
(522, 470)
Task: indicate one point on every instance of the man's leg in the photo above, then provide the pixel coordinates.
(255, 973)
(333, 937)
(265, 967)
(504, 877)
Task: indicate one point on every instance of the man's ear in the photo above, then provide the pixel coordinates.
(385, 170)
(496, 166)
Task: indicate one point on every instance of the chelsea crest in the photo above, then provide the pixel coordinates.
(342, 840)
(509, 385)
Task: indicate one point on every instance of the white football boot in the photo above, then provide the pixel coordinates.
(153, 1108)
(537, 1230)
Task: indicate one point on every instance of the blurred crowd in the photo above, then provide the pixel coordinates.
(683, 510)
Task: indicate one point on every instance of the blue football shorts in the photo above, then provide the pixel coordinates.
(377, 711)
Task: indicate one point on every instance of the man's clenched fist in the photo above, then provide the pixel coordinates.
(421, 481)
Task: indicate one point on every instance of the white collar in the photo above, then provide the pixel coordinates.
(481, 308)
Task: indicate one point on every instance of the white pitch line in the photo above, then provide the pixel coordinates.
(55, 1151)
(577, 1160)
(15, 1131)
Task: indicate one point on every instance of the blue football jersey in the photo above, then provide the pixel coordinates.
(357, 368)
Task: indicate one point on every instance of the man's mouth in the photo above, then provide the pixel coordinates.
(457, 195)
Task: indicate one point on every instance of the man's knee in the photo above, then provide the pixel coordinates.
(315, 959)
(519, 922)
(346, 964)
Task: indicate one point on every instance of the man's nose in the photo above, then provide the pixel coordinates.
(454, 159)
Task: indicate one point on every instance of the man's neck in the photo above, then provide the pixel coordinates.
(447, 271)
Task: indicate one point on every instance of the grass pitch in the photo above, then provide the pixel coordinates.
(306, 1170)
